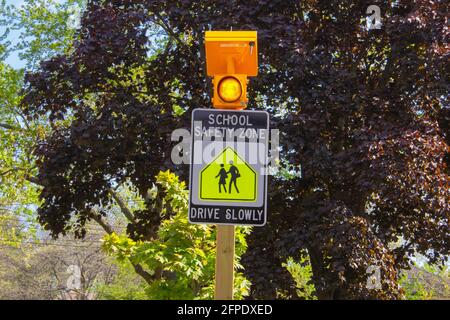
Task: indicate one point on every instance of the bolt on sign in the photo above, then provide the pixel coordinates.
(228, 173)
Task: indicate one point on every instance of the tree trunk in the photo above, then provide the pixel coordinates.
(323, 290)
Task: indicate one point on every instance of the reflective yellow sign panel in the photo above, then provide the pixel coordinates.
(228, 178)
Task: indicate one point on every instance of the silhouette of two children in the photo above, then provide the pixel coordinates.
(223, 175)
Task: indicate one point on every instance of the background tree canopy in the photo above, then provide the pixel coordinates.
(365, 114)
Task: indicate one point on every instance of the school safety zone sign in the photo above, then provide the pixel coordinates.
(228, 171)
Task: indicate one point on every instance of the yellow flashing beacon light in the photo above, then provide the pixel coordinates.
(231, 57)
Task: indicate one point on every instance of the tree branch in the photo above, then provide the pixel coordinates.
(7, 126)
(166, 28)
(144, 274)
(33, 180)
(6, 172)
(102, 222)
(123, 207)
(109, 230)
(27, 176)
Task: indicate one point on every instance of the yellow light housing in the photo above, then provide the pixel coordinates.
(230, 89)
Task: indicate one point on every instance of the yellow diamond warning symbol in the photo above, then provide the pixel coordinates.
(228, 178)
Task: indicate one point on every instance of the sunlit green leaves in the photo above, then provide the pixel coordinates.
(17, 137)
(185, 251)
(43, 30)
(46, 27)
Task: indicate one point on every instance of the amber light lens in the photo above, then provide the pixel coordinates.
(230, 89)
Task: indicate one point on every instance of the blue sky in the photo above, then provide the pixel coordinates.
(13, 58)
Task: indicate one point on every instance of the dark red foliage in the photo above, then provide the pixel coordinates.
(365, 113)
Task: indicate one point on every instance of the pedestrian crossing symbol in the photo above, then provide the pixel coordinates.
(228, 178)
